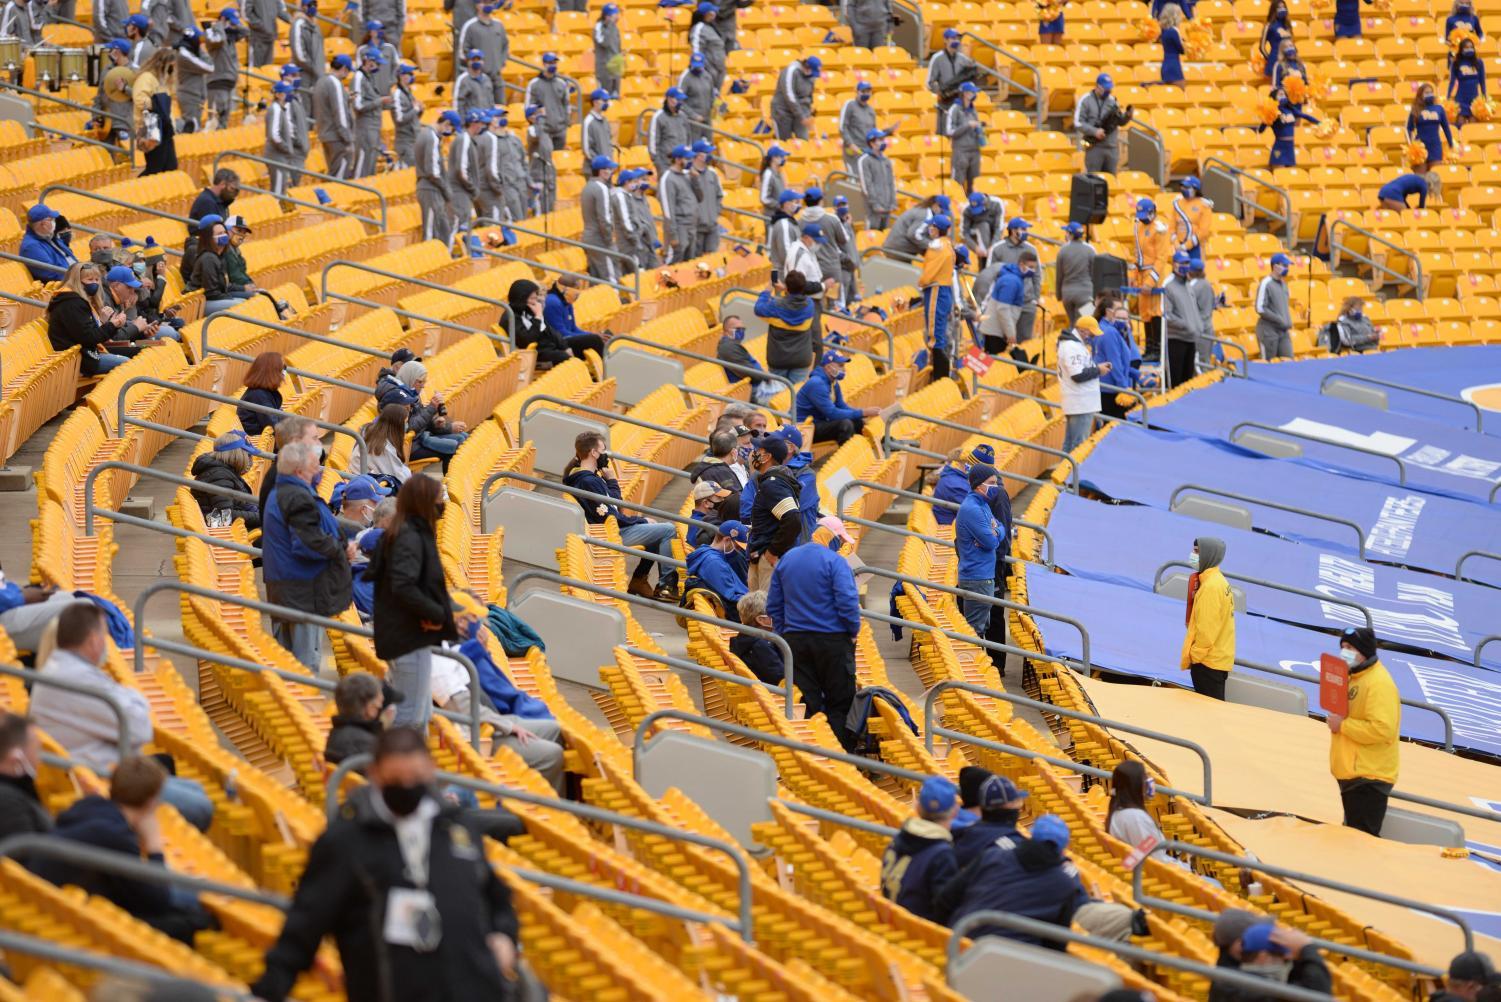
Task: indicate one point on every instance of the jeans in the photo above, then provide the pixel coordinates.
(653, 536)
(764, 391)
(412, 676)
(219, 305)
(105, 361)
(304, 640)
(187, 796)
(1076, 428)
(797, 376)
(977, 614)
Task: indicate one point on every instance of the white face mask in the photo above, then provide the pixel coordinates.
(1193, 561)
(1349, 657)
(1272, 970)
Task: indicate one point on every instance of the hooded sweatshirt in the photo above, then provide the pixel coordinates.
(789, 330)
(918, 862)
(1210, 637)
(1010, 288)
(1025, 876)
(723, 573)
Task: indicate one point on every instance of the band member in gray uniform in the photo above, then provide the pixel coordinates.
(332, 117)
(709, 187)
(596, 203)
(433, 194)
(679, 206)
(369, 102)
(287, 140)
(406, 114)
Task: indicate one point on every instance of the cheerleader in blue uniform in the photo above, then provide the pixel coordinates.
(1426, 121)
(1288, 64)
(1285, 130)
(1347, 18)
(1462, 15)
(1277, 31)
(1466, 81)
(1051, 32)
(1172, 44)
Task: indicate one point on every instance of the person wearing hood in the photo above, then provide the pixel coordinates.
(1258, 946)
(1470, 973)
(920, 858)
(225, 465)
(1209, 642)
(999, 803)
(720, 565)
(1183, 323)
(1002, 310)
(45, 246)
(436, 435)
(1363, 750)
(1030, 877)
(821, 400)
(953, 479)
(789, 314)
(1079, 381)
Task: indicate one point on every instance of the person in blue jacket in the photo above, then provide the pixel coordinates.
(1395, 193)
(1426, 120)
(999, 802)
(977, 537)
(821, 400)
(1277, 31)
(800, 465)
(1347, 18)
(1285, 130)
(42, 243)
(1172, 44)
(1466, 81)
(920, 859)
(815, 606)
(721, 566)
(1116, 346)
(953, 480)
(557, 312)
(1462, 15)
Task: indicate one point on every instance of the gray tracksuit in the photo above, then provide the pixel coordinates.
(1182, 320)
(16, 22)
(365, 98)
(385, 74)
(460, 11)
(625, 237)
(849, 266)
(699, 106)
(980, 230)
(680, 212)
(463, 176)
(492, 188)
(306, 40)
(109, 20)
(855, 120)
(792, 104)
(596, 138)
(262, 17)
(392, 14)
(878, 184)
(709, 188)
(606, 47)
(664, 131)
(406, 114)
(1073, 279)
(772, 184)
(904, 237)
(596, 204)
(644, 236)
(835, 251)
(944, 72)
(707, 42)
(335, 125)
(1207, 300)
(966, 134)
(552, 94)
(1274, 320)
(226, 71)
(490, 38)
(1101, 156)
(159, 13)
(782, 234)
(725, 24)
(286, 141)
(541, 173)
(512, 154)
(474, 90)
(869, 21)
(432, 185)
(193, 69)
(140, 52)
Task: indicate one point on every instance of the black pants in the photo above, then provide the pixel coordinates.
(823, 669)
(840, 431)
(580, 343)
(1152, 333)
(1365, 804)
(1180, 362)
(940, 364)
(1208, 681)
(996, 631)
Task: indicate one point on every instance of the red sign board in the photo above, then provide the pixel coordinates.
(977, 361)
(1142, 851)
(1334, 685)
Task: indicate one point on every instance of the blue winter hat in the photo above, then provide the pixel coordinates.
(941, 223)
(206, 223)
(981, 472)
(1258, 939)
(1052, 829)
(602, 162)
(936, 797)
(789, 195)
(982, 453)
(813, 230)
(235, 440)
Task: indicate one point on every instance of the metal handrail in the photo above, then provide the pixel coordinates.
(330, 209)
(901, 192)
(1142, 897)
(1415, 280)
(1259, 426)
(578, 492)
(634, 289)
(1005, 391)
(1157, 139)
(1038, 93)
(122, 419)
(994, 646)
(914, 11)
(1279, 506)
(732, 366)
(296, 616)
(380, 197)
(128, 151)
(931, 697)
(1459, 565)
(699, 617)
(786, 417)
(86, 228)
(90, 509)
(75, 105)
(1493, 638)
(1420, 704)
(889, 359)
(900, 446)
(204, 348)
(1370, 621)
(881, 251)
(710, 128)
(845, 488)
(1356, 377)
(16, 297)
(509, 339)
(662, 429)
(1245, 356)
(121, 203)
(51, 950)
(685, 665)
(1236, 175)
(32, 676)
(1254, 987)
(1046, 450)
(326, 295)
(742, 925)
(32, 262)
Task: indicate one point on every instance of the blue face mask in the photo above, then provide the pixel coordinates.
(1430, 98)
(738, 333)
(473, 632)
(222, 240)
(836, 544)
(317, 478)
(992, 492)
(90, 288)
(839, 378)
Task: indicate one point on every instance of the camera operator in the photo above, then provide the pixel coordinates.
(1099, 119)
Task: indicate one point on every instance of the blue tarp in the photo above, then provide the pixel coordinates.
(1439, 457)
(1126, 544)
(1403, 526)
(1135, 632)
(1451, 371)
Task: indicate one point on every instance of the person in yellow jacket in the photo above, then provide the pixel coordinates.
(1363, 753)
(1209, 642)
(937, 286)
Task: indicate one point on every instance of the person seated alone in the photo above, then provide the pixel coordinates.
(126, 823)
(731, 349)
(920, 859)
(225, 465)
(720, 565)
(760, 655)
(821, 399)
(262, 388)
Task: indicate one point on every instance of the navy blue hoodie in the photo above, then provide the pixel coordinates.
(99, 823)
(1020, 875)
(917, 864)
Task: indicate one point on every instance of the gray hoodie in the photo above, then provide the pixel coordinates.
(1180, 311)
(1211, 551)
(1274, 314)
(834, 251)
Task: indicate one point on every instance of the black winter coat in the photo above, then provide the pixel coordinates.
(70, 321)
(210, 469)
(349, 737)
(532, 330)
(21, 813)
(98, 823)
(332, 590)
(409, 591)
(350, 872)
(255, 422)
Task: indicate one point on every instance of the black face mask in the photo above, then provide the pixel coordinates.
(403, 800)
(439, 509)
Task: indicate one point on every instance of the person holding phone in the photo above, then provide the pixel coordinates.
(590, 470)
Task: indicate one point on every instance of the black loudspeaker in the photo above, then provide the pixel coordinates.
(1108, 272)
(1088, 199)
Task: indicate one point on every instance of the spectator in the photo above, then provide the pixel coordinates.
(234, 261)
(43, 242)
(434, 434)
(821, 400)
(590, 470)
(76, 316)
(216, 199)
(365, 543)
(1116, 346)
(209, 271)
(813, 589)
(262, 386)
(1000, 803)
(557, 312)
(150, 266)
(1395, 193)
(288, 430)
(1274, 321)
(413, 610)
(1209, 642)
(354, 501)
(732, 349)
(1079, 381)
(776, 525)
(1001, 313)
(1352, 330)
(363, 707)
(716, 466)
(720, 566)
(953, 480)
(1126, 818)
(789, 314)
(21, 810)
(800, 464)
(1470, 972)
(1207, 301)
(711, 503)
(533, 330)
(920, 859)
(1363, 752)
(119, 294)
(27, 610)
(102, 251)
(1425, 121)
(225, 465)
(760, 655)
(1029, 877)
(1257, 946)
(306, 559)
(1099, 119)
(1073, 279)
(396, 841)
(126, 823)
(386, 444)
(976, 538)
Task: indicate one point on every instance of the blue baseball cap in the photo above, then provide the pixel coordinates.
(1258, 939)
(1017, 223)
(942, 203)
(678, 93)
(1052, 829)
(374, 25)
(702, 146)
(829, 358)
(602, 162)
(474, 115)
(968, 87)
(998, 791)
(863, 85)
(941, 223)
(1104, 82)
(549, 57)
(976, 202)
(372, 55)
(291, 70)
(39, 212)
(696, 61)
(840, 202)
(235, 439)
(119, 45)
(813, 230)
(123, 275)
(777, 151)
(341, 62)
(814, 65)
(609, 9)
(936, 797)
(452, 118)
(681, 152)
(952, 33)
(961, 256)
(1280, 258)
(1145, 207)
(405, 68)
(230, 14)
(791, 434)
(364, 488)
(871, 135)
(735, 529)
(532, 111)
(138, 21)
(1192, 182)
(813, 194)
(282, 87)
(706, 7)
(789, 195)
(599, 94)
(1182, 258)
(1073, 229)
